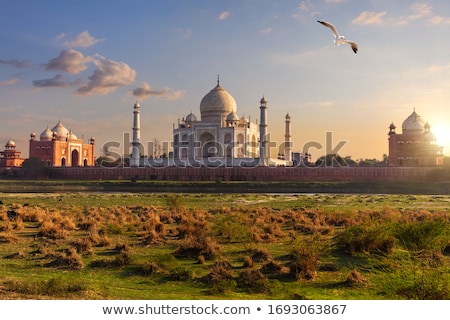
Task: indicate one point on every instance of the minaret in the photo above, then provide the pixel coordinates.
(287, 139)
(135, 154)
(263, 158)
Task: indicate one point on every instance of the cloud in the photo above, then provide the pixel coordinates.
(304, 11)
(224, 15)
(57, 81)
(16, 63)
(438, 68)
(9, 82)
(70, 61)
(266, 31)
(417, 12)
(423, 11)
(439, 20)
(184, 33)
(145, 91)
(108, 76)
(303, 6)
(369, 17)
(60, 36)
(420, 10)
(83, 40)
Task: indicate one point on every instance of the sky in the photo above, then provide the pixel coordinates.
(86, 63)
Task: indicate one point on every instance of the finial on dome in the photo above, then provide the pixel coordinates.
(218, 80)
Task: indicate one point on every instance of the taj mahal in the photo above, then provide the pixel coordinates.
(221, 138)
(218, 137)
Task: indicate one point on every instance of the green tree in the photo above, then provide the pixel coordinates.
(334, 160)
(34, 168)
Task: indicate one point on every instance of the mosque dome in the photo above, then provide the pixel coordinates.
(72, 136)
(60, 131)
(46, 135)
(413, 124)
(232, 117)
(243, 120)
(428, 135)
(190, 117)
(217, 105)
(10, 143)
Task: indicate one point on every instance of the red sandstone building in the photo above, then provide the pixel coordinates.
(415, 146)
(10, 158)
(60, 147)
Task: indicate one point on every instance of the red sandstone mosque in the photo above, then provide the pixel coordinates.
(415, 146)
(59, 147)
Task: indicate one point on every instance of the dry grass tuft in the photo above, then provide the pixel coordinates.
(274, 268)
(261, 255)
(8, 238)
(220, 271)
(355, 279)
(253, 281)
(69, 259)
(192, 247)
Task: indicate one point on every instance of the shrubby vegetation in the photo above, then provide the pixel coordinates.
(175, 246)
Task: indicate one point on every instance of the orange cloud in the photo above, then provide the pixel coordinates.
(108, 76)
(70, 61)
(83, 40)
(369, 17)
(145, 91)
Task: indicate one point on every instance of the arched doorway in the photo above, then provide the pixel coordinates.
(241, 146)
(63, 162)
(209, 146)
(75, 158)
(228, 146)
(253, 147)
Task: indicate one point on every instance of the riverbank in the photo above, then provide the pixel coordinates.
(155, 186)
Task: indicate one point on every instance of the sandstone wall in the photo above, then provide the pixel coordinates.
(248, 174)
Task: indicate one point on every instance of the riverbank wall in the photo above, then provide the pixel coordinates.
(249, 173)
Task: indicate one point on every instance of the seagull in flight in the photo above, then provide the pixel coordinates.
(338, 40)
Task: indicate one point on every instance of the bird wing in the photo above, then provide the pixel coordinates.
(352, 44)
(329, 25)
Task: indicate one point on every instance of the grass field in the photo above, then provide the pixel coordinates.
(87, 245)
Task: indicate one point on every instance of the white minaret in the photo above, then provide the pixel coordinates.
(287, 139)
(263, 158)
(135, 154)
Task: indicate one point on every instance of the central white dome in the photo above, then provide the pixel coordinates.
(217, 105)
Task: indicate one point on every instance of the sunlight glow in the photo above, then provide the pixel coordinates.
(442, 133)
